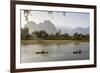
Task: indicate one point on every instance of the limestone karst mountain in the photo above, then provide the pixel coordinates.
(32, 26)
(71, 31)
(47, 26)
(81, 30)
(50, 28)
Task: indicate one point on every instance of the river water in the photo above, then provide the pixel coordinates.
(54, 52)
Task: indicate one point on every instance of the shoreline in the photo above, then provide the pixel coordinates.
(25, 42)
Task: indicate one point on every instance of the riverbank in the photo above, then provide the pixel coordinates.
(25, 42)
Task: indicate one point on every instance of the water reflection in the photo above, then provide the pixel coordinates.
(54, 52)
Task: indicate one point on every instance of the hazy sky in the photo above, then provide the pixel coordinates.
(71, 19)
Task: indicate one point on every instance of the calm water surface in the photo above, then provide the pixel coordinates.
(56, 52)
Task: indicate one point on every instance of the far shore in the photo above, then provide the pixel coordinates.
(25, 42)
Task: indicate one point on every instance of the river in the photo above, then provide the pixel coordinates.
(54, 52)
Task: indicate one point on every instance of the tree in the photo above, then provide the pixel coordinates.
(36, 33)
(65, 36)
(51, 37)
(87, 36)
(26, 14)
(57, 35)
(25, 33)
(79, 36)
(41, 34)
(75, 36)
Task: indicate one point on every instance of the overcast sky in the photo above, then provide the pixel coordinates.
(71, 19)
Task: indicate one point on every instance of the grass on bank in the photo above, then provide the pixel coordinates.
(25, 42)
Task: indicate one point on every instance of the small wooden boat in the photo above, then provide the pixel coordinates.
(77, 52)
(42, 52)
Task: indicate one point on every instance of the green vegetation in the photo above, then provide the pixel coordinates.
(25, 34)
(42, 35)
(24, 42)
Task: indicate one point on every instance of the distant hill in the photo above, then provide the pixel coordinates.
(50, 28)
(47, 26)
(71, 31)
(81, 30)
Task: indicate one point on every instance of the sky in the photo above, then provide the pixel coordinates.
(70, 19)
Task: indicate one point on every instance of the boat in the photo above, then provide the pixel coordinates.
(77, 52)
(42, 52)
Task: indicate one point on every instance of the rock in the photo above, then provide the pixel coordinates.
(47, 26)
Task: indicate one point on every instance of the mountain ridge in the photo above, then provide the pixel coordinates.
(50, 28)
(47, 26)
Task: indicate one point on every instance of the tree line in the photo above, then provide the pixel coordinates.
(45, 36)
